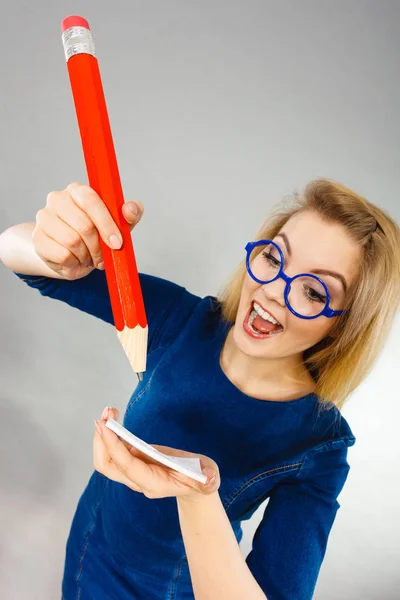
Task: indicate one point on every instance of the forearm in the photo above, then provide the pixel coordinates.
(217, 566)
(18, 253)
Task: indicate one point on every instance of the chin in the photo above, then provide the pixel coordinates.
(244, 343)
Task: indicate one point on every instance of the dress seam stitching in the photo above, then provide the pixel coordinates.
(87, 542)
(175, 580)
(250, 482)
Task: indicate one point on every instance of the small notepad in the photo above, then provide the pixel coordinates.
(187, 466)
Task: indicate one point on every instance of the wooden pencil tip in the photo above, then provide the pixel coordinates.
(140, 376)
(134, 342)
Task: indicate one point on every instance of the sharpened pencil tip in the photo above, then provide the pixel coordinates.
(140, 376)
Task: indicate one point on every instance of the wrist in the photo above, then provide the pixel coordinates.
(196, 500)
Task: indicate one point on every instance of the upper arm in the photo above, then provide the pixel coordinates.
(290, 543)
(164, 300)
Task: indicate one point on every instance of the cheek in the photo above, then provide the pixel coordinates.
(309, 330)
(248, 292)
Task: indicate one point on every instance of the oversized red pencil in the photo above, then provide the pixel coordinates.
(102, 169)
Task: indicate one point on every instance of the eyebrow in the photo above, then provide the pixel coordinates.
(318, 271)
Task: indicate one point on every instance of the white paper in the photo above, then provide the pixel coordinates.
(188, 466)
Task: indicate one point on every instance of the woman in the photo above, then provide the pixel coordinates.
(261, 409)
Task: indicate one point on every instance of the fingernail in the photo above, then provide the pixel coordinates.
(104, 414)
(100, 265)
(133, 208)
(115, 241)
(97, 426)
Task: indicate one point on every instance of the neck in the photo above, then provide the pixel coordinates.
(269, 378)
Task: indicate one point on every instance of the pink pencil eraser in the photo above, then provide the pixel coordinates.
(74, 21)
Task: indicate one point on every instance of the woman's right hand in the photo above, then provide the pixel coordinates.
(66, 234)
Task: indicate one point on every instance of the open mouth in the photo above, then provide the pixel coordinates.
(259, 324)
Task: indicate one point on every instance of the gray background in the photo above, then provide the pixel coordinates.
(218, 109)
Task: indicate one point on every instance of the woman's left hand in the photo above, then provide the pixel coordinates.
(118, 460)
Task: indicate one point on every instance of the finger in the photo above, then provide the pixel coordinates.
(91, 203)
(62, 233)
(209, 486)
(176, 478)
(103, 463)
(132, 212)
(208, 468)
(110, 412)
(129, 465)
(113, 413)
(75, 217)
(52, 252)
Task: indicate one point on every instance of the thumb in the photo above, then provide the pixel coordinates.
(212, 482)
(132, 211)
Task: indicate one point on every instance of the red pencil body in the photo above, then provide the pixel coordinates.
(102, 168)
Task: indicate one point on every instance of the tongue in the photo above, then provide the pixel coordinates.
(264, 326)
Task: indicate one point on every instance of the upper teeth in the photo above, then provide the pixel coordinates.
(264, 314)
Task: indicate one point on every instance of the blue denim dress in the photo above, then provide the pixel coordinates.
(123, 545)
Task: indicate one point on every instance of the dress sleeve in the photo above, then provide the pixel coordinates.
(164, 300)
(290, 542)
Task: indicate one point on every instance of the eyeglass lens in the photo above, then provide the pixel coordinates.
(307, 296)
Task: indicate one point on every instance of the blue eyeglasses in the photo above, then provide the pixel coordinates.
(306, 295)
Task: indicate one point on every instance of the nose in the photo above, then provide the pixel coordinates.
(275, 291)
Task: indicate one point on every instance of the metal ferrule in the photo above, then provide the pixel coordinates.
(77, 40)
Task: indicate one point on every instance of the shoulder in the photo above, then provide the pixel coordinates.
(331, 438)
(168, 299)
(325, 464)
(345, 431)
(176, 313)
(330, 426)
(159, 285)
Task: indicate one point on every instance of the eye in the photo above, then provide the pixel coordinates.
(313, 296)
(270, 259)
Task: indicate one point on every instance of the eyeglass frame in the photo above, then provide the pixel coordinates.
(326, 312)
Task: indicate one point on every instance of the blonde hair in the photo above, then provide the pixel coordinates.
(343, 359)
